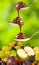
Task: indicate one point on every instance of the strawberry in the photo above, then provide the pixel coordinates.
(22, 47)
(15, 44)
(19, 61)
(20, 36)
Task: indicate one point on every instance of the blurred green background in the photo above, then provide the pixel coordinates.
(30, 18)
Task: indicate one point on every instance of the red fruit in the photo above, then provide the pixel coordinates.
(22, 47)
(15, 44)
(19, 60)
(20, 36)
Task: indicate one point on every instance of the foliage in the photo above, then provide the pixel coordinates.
(30, 18)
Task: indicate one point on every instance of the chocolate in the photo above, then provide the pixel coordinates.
(20, 36)
(20, 5)
(18, 21)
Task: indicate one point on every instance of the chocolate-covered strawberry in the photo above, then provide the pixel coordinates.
(20, 36)
(18, 21)
(20, 5)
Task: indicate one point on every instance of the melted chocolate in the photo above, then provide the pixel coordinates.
(20, 36)
(18, 21)
(20, 5)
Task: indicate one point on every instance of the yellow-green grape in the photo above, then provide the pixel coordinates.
(19, 44)
(35, 62)
(13, 53)
(5, 59)
(7, 53)
(2, 55)
(37, 56)
(12, 44)
(17, 47)
(36, 50)
(5, 48)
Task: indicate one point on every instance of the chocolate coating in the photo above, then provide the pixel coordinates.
(20, 5)
(20, 36)
(18, 21)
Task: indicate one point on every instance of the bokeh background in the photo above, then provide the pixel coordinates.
(30, 18)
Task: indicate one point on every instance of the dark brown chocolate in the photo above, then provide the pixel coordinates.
(18, 21)
(20, 5)
(20, 36)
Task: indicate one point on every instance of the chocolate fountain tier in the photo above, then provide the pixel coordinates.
(20, 36)
(20, 5)
(18, 21)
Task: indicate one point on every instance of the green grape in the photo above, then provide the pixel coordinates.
(5, 48)
(35, 62)
(5, 59)
(19, 44)
(13, 53)
(11, 44)
(7, 53)
(17, 47)
(36, 50)
(37, 56)
(2, 55)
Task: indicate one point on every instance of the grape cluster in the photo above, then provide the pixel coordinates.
(9, 56)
